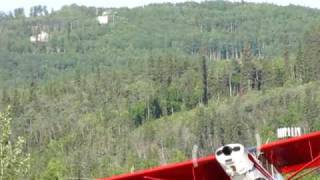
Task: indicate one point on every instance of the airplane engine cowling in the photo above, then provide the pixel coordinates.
(234, 159)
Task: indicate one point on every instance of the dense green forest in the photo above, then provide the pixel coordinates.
(97, 100)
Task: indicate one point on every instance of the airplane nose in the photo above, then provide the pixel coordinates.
(227, 150)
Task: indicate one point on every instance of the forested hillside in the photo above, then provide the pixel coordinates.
(97, 100)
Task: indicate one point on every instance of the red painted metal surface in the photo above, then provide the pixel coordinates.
(306, 166)
(208, 169)
(290, 155)
(306, 173)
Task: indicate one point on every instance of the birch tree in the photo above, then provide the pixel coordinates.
(14, 162)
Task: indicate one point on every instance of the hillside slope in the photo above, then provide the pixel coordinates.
(218, 29)
(234, 120)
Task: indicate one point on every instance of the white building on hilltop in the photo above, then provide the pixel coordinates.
(41, 37)
(103, 19)
(33, 39)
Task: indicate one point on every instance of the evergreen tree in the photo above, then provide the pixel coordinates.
(299, 66)
(311, 54)
(205, 97)
(18, 13)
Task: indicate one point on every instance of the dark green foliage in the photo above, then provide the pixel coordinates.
(19, 12)
(38, 11)
(205, 81)
(138, 113)
(312, 54)
(299, 66)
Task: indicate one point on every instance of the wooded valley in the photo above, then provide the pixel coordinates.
(97, 100)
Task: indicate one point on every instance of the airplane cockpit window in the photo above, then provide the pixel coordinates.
(237, 148)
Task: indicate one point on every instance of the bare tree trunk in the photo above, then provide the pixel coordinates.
(230, 84)
(163, 157)
(227, 53)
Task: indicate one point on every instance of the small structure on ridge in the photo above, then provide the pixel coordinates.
(104, 18)
(41, 37)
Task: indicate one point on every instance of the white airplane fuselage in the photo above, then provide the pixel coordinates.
(240, 164)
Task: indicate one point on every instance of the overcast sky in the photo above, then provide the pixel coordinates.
(8, 5)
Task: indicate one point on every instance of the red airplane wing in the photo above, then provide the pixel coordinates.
(294, 154)
(208, 168)
(288, 155)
